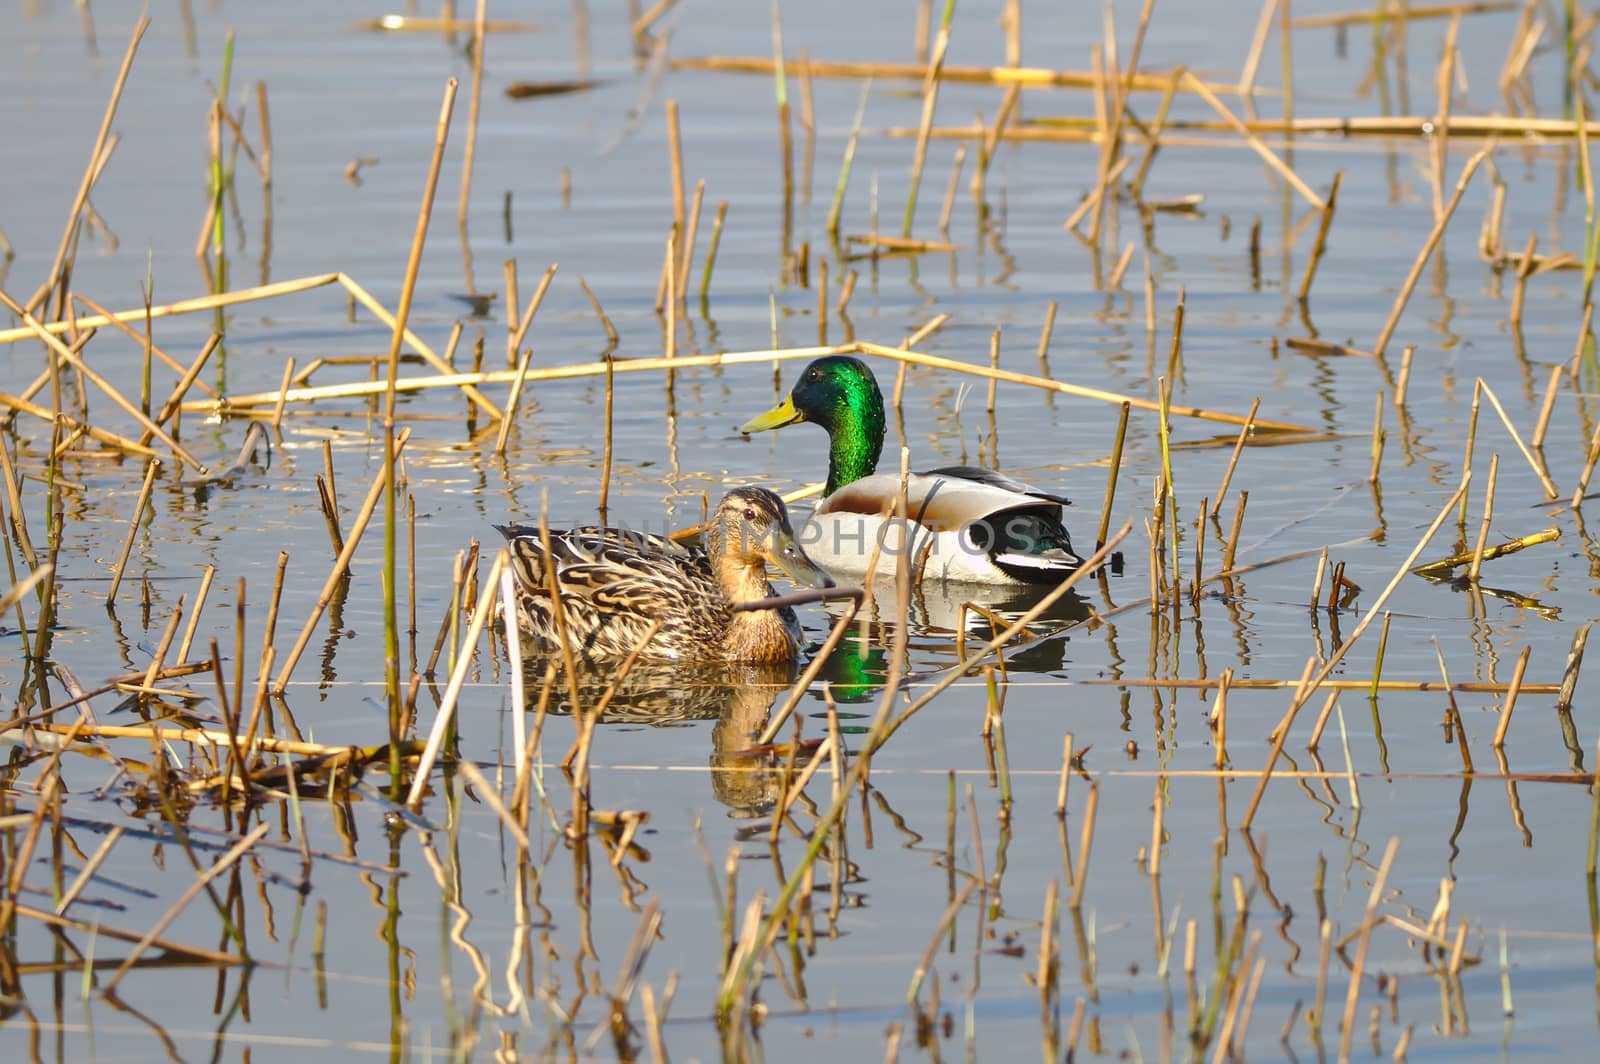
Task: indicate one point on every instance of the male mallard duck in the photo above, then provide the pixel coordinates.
(968, 524)
(614, 582)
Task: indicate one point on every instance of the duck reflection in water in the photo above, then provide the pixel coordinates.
(738, 696)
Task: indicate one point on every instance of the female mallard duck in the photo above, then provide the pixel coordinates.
(967, 524)
(615, 582)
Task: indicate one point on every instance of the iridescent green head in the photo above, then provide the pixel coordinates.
(840, 394)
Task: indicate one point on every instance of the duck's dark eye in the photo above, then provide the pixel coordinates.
(813, 376)
(749, 514)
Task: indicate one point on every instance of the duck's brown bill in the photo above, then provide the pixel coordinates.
(788, 557)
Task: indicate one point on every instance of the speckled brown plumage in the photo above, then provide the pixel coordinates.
(615, 582)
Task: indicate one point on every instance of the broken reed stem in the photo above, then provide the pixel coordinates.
(1511, 698)
(1550, 491)
(340, 566)
(605, 467)
(458, 675)
(605, 322)
(1322, 237)
(930, 96)
(1488, 516)
(1233, 459)
(711, 252)
(133, 528)
(1347, 1028)
(1428, 247)
(1116, 459)
(1281, 733)
(202, 878)
(512, 402)
(1080, 878)
(1256, 143)
(687, 252)
(732, 358)
(68, 356)
(92, 171)
(470, 150)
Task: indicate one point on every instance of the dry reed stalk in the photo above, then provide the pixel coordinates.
(605, 469)
(605, 322)
(206, 577)
(1112, 469)
(1233, 459)
(86, 874)
(1512, 691)
(1440, 144)
(1524, 272)
(527, 316)
(1488, 516)
(1240, 684)
(458, 676)
(1404, 12)
(931, 78)
(936, 938)
(780, 811)
(71, 358)
(378, 311)
(469, 152)
(1027, 77)
(139, 338)
(813, 668)
(1347, 1028)
(675, 158)
(150, 467)
(846, 290)
(898, 243)
(1320, 244)
(202, 878)
(1569, 672)
(1306, 690)
(1020, 624)
(689, 239)
(341, 564)
(1258, 45)
(1546, 408)
(95, 928)
(949, 191)
(1428, 247)
(640, 27)
(1583, 477)
(1066, 774)
(1219, 716)
(1268, 156)
(935, 362)
(1085, 840)
(1378, 438)
(1500, 550)
(513, 301)
(17, 591)
(1544, 478)
(711, 252)
(110, 439)
(91, 173)
(490, 794)
(512, 402)
(1121, 268)
(822, 301)
(283, 390)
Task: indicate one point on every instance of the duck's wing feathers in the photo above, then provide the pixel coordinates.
(936, 500)
(993, 479)
(1020, 535)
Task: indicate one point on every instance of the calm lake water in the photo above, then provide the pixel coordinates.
(405, 943)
